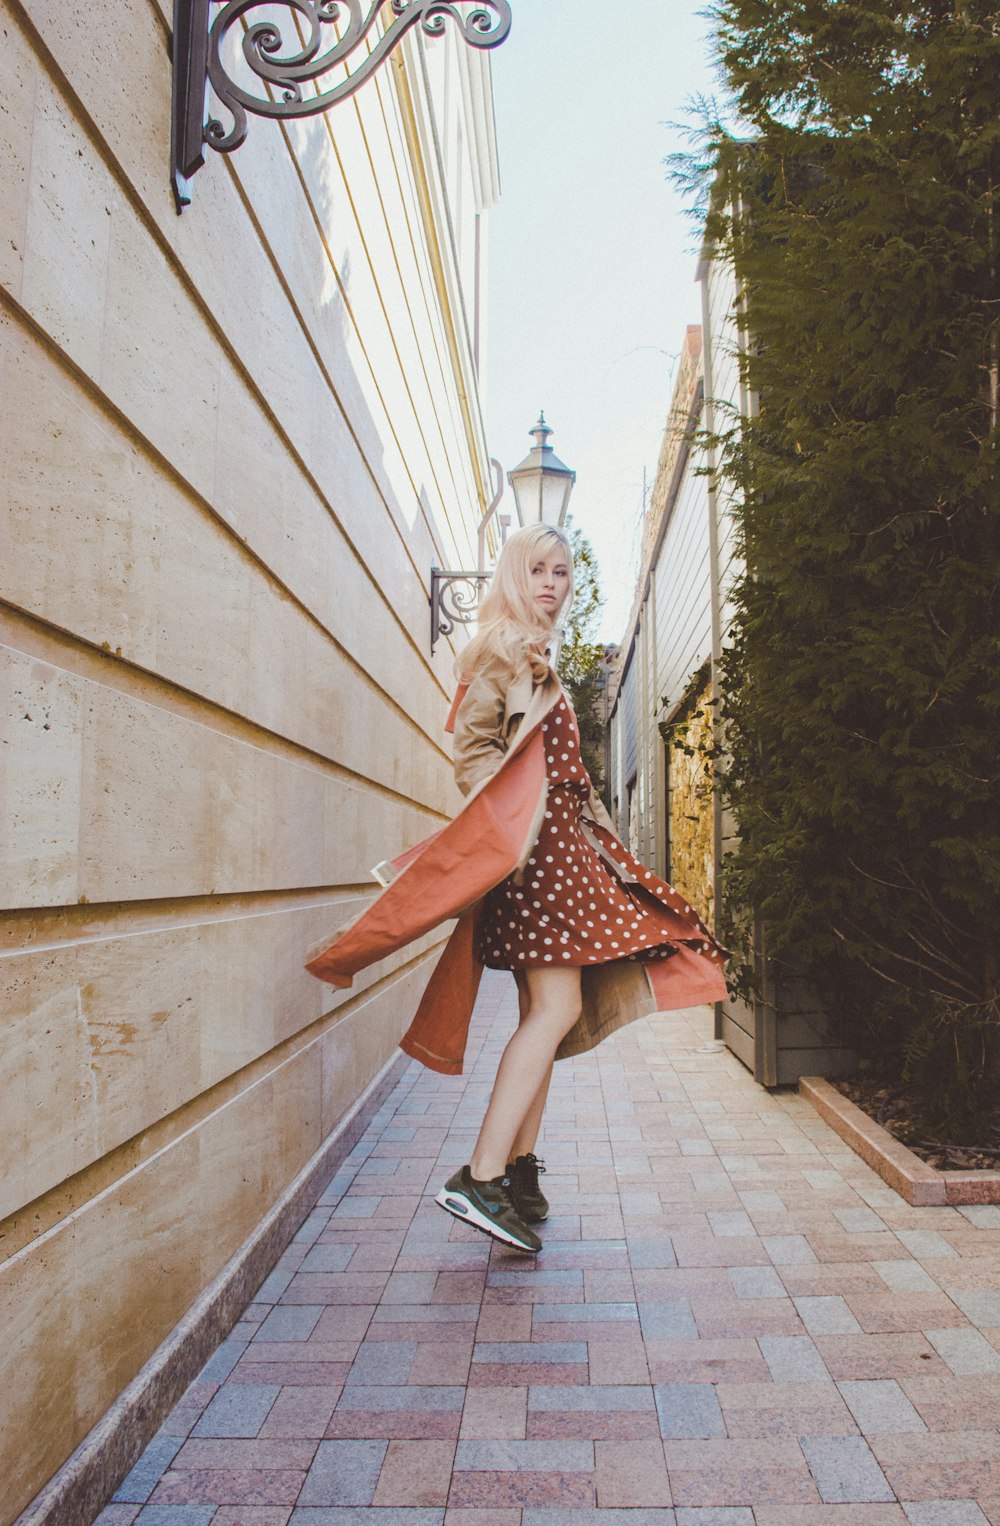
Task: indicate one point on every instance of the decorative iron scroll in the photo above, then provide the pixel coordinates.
(286, 59)
(455, 600)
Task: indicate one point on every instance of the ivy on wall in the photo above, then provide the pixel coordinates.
(861, 686)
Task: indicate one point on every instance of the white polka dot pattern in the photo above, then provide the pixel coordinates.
(543, 920)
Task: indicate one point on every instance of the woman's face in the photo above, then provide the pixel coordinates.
(550, 581)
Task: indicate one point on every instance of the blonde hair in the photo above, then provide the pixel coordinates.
(510, 621)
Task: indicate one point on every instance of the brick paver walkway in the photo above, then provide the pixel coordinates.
(733, 1323)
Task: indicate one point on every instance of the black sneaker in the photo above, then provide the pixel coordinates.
(488, 1206)
(529, 1201)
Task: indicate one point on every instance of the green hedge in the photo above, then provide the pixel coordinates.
(861, 699)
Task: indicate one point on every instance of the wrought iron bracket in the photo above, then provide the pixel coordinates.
(455, 596)
(454, 600)
(275, 76)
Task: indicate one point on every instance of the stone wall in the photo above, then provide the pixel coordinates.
(689, 774)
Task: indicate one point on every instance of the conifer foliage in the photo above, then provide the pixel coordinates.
(861, 707)
(581, 658)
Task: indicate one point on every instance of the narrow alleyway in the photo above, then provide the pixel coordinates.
(733, 1323)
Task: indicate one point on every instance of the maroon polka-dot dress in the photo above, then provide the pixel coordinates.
(571, 905)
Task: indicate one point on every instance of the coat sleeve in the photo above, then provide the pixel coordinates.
(480, 737)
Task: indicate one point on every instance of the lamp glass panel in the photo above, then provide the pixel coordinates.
(540, 496)
(553, 493)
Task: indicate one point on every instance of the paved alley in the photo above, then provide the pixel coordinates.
(733, 1323)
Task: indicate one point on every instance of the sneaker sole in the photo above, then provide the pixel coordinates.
(460, 1208)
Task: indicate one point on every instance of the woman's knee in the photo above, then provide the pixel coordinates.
(555, 999)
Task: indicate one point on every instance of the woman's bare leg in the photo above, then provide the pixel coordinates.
(527, 1134)
(553, 1006)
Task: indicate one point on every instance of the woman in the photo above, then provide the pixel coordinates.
(541, 886)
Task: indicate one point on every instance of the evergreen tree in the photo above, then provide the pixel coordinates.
(581, 658)
(862, 700)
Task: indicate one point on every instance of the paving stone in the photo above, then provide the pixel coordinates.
(727, 1223)
(176, 1515)
(586, 1313)
(859, 1221)
(829, 1515)
(630, 1474)
(945, 1513)
(688, 1411)
(581, 1396)
(426, 1314)
(793, 1359)
(761, 1200)
(905, 1354)
(926, 1244)
(740, 1165)
(274, 1285)
(383, 1362)
(301, 1412)
(251, 1515)
(524, 1490)
(239, 1410)
(788, 1250)
(965, 1350)
(651, 1253)
(905, 1276)
(321, 1258)
(982, 1215)
(525, 1456)
(457, 1516)
(527, 1353)
(567, 1277)
(594, 1517)
(357, 1207)
(617, 1362)
(139, 1484)
(756, 1282)
(366, 1516)
(343, 1473)
(824, 1180)
(980, 1305)
(845, 1469)
(725, 1515)
(880, 1407)
(416, 1473)
(218, 1367)
(667, 1319)
(715, 1473)
(400, 1397)
(826, 1315)
(312, 1226)
(495, 1414)
(290, 1324)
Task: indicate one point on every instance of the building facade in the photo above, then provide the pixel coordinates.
(234, 443)
(662, 696)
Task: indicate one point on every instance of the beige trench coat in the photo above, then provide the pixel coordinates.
(500, 767)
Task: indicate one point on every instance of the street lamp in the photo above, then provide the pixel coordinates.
(541, 484)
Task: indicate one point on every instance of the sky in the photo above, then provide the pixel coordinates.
(591, 274)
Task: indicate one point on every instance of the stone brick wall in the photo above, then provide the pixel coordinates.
(690, 803)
